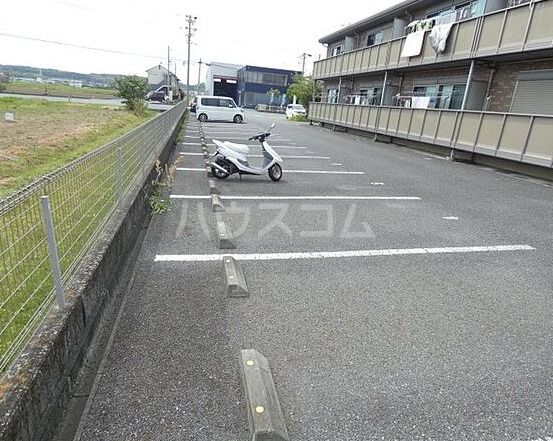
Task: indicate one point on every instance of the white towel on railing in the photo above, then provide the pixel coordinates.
(413, 44)
(438, 37)
(420, 102)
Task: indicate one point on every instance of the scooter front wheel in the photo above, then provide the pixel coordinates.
(275, 172)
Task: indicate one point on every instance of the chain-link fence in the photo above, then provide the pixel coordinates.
(80, 199)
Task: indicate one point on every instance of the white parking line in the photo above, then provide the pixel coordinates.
(239, 139)
(300, 198)
(261, 156)
(326, 172)
(292, 147)
(322, 172)
(341, 254)
(189, 196)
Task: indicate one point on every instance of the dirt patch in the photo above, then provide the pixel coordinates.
(48, 129)
(46, 135)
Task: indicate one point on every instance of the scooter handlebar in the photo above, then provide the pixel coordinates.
(261, 135)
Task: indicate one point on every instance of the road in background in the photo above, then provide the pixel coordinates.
(396, 295)
(100, 101)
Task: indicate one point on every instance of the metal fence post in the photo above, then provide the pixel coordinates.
(52, 249)
(119, 177)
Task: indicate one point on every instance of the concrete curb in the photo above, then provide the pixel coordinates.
(216, 204)
(208, 171)
(235, 280)
(264, 412)
(224, 237)
(213, 189)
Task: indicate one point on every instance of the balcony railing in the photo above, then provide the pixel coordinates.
(518, 137)
(522, 28)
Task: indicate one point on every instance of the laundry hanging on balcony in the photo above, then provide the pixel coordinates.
(420, 102)
(413, 44)
(438, 37)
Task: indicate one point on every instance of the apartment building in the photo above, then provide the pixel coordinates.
(473, 76)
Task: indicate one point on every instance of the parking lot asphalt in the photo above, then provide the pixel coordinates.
(400, 297)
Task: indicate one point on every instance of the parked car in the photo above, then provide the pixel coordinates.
(295, 110)
(158, 96)
(218, 108)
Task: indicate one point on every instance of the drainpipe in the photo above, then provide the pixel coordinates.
(490, 80)
(400, 88)
(339, 91)
(384, 88)
(469, 81)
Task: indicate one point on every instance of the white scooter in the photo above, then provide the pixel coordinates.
(231, 158)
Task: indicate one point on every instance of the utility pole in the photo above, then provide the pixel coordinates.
(303, 57)
(190, 22)
(200, 72)
(169, 93)
(199, 75)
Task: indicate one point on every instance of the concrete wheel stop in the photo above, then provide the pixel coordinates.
(234, 278)
(224, 236)
(213, 189)
(264, 413)
(216, 204)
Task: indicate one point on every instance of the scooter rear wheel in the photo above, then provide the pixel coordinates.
(220, 174)
(275, 172)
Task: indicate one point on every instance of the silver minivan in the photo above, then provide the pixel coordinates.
(218, 108)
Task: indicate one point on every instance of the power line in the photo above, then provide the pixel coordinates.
(90, 48)
(73, 5)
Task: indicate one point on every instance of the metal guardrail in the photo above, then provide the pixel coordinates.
(77, 200)
(520, 28)
(517, 137)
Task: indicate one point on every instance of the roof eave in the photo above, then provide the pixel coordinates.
(389, 13)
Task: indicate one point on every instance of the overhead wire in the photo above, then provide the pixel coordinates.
(91, 48)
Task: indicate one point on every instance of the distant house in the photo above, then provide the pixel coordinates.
(160, 79)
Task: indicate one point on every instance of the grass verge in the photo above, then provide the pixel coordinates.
(47, 135)
(298, 118)
(82, 199)
(58, 90)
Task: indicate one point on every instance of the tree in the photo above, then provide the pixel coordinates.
(304, 88)
(133, 90)
(273, 93)
(2, 87)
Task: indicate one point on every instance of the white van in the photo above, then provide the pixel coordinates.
(218, 108)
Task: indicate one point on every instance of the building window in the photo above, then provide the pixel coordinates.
(512, 3)
(444, 96)
(274, 79)
(376, 38)
(332, 96)
(336, 50)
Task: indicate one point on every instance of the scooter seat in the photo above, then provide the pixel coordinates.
(240, 148)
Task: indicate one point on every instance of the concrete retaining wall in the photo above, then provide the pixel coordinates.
(36, 390)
